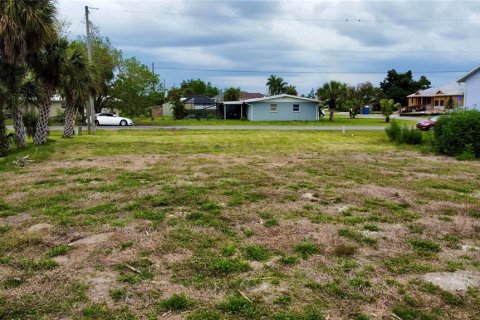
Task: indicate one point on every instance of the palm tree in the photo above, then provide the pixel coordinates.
(276, 85)
(76, 84)
(12, 80)
(291, 90)
(25, 26)
(48, 65)
(333, 92)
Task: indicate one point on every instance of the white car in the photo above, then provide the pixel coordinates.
(110, 119)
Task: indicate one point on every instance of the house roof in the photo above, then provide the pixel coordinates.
(250, 95)
(283, 95)
(469, 74)
(453, 89)
(199, 100)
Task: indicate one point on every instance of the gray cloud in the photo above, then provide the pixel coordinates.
(274, 36)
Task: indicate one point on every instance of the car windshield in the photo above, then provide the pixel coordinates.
(435, 118)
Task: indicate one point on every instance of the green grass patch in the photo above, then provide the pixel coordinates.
(425, 247)
(177, 302)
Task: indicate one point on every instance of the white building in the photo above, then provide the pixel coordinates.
(472, 88)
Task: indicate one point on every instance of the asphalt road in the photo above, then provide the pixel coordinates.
(287, 128)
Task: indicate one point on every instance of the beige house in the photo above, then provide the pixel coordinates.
(436, 100)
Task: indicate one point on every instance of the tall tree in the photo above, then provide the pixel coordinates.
(198, 87)
(136, 88)
(77, 82)
(231, 94)
(334, 93)
(3, 101)
(398, 86)
(48, 64)
(25, 26)
(276, 85)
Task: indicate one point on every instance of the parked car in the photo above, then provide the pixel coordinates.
(110, 119)
(427, 124)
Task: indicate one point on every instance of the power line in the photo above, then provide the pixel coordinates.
(343, 20)
(303, 72)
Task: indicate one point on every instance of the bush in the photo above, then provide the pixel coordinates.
(30, 118)
(410, 136)
(458, 133)
(178, 111)
(394, 131)
(403, 134)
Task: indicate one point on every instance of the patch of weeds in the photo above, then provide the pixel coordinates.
(283, 300)
(4, 229)
(127, 244)
(256, 252)
(321, 217)
(360, 316)
(359, 283)
(410, 313)
(4, 206)
(177, 302)
(474, 213)
(203, 315)
(334, 289)
(271, 222)
(405, 264)
(424, 247)
(207, 219)
(288, 260)
(308, 314)
(447, 297)
(40, 265)
(150, 214)
(224, 266)
(58, 250)
(228, 250)
(453, 241)
(240, 306)
(11, 282)
(211, 207)
(248, 233)
(344, 250)
(134, 271)
(416, 228)
(357, 236)
(118, 294)
(306, 249)
(371, 227)
(102, 208)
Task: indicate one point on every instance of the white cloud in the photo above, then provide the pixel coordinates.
(341, 36)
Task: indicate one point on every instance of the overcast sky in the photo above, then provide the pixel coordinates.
(240, 43)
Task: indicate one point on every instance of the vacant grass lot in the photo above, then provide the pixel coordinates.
(236, 225)
(339, 120)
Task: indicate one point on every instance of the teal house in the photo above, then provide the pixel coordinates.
(282, 107)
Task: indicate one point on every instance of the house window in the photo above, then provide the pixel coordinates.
(296, 108)
(273, 107)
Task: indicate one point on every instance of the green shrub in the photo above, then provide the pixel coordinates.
(410, 136)
(467, 154)
(394, 131)
(404, 134)
(458, 133)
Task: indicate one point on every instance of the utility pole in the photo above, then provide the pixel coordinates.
(90, 107)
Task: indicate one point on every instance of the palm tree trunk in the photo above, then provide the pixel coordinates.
(41, 132)
(331, 115)
(18, 125)
(3, 134)
(69, 120)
